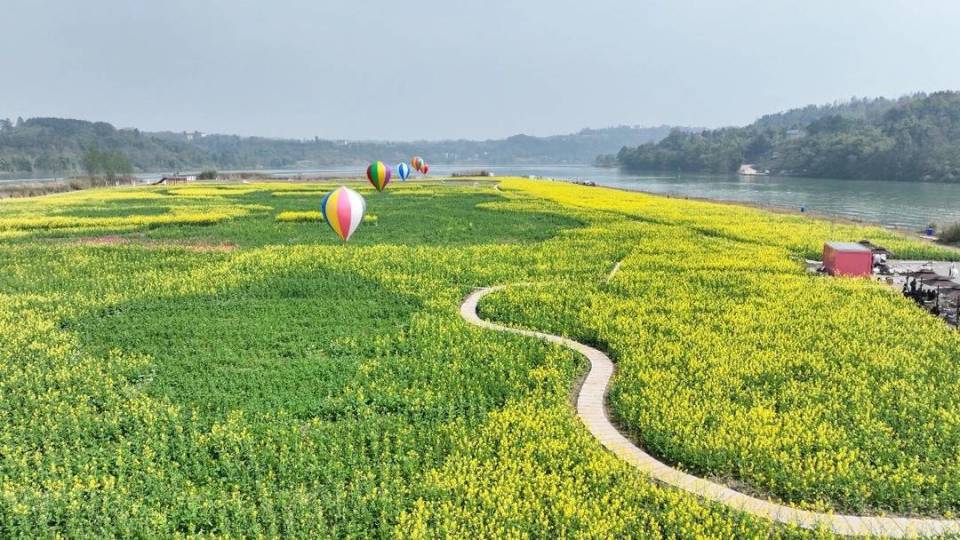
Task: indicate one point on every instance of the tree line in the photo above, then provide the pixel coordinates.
(56, 145)
(913, 138)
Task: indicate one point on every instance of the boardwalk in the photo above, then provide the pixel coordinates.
(591, 410)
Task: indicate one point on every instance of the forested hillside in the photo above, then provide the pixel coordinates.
(54, 145)
(913, 138)
(581, 147)
(61, 145)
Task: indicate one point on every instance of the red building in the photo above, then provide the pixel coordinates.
(847, 259)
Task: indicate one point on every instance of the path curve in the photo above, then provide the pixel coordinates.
(591, 410)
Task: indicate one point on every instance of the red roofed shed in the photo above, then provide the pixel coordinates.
(847, 259)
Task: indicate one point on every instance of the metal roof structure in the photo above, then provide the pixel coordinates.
(848, 247)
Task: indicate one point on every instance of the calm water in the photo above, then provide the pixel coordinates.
(910, 205)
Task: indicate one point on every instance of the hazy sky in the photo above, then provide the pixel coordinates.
(427, 69)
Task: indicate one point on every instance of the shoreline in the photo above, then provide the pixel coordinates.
(832, 218)
(779, 174)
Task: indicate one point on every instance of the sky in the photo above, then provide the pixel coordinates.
(433, 69)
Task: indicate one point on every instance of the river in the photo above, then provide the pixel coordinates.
(907, 205)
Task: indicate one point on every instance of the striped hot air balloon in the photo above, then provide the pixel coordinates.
(416, 163)
(343, 210)
(403, 171)
(379, 175)
(424, 169)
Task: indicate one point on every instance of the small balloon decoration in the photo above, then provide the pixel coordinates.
(416, 163)
(403, 171)
(379, 175)
(343, 210)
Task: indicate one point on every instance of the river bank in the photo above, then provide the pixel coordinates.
(832, 218)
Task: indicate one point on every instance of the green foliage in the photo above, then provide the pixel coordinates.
(605, 160)
(914, 138)
(208, 174)
(951, 235)
(865, 109)
(717, 151)
(162, 376)
(59, 145)
(109, 164)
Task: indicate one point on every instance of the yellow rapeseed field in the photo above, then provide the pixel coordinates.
(179, 362)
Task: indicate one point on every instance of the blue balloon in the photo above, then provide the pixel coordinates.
(403, 171)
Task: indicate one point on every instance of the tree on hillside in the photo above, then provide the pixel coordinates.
(117, 164)
(92, 160)
(110, 164)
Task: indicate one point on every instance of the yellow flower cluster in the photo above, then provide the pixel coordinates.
(123, 209)
(734, 363)
(78, 222)
(307, 216)
(800, 235)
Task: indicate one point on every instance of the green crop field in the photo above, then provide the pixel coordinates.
(212, 360)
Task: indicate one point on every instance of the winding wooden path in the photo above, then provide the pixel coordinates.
(592, 411)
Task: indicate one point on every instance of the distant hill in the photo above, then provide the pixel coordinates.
(870, 110)
(58, 146)
(912, 138)
(582, 147)
(55, 145)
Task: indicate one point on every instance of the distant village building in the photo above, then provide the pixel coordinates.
(747, 169)
(467, 174)
(177, 179)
